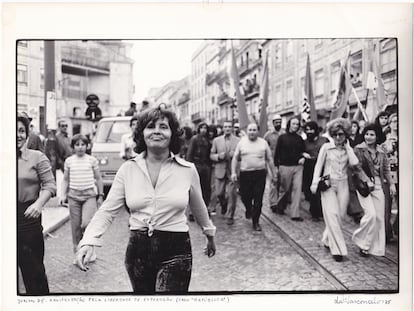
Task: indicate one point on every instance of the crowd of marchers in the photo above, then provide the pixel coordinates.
(172, 175)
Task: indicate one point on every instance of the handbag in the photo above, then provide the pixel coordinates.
(324, 181)
(360, 185)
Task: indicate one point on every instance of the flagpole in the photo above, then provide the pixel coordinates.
(360, 105)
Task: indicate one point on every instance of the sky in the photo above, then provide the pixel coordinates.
(158, 62)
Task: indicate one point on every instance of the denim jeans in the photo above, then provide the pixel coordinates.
(159, 263)
(82, 207)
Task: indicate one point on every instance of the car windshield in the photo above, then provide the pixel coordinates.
(112, 131)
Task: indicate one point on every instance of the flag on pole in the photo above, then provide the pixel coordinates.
(241, 104)
(264, 95)
(343, 92)
(375, 84)
(308, 106)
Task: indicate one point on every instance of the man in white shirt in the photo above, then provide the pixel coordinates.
(127, 141)
(255, 159)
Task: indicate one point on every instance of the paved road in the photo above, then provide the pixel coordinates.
(245, 260)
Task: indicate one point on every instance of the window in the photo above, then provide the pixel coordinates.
(278, 56)
(289, 92)
(289, 51)
(278, 95)
(22, 74)
(319, 87)
(388, 55)
(356, 69)
(335, 74)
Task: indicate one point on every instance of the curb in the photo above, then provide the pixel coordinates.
(47, 231)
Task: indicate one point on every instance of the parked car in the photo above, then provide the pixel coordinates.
(107, 146)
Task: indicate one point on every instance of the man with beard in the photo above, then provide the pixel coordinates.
(271, 138)
(313, 143)
(289, 159)
(255, 157)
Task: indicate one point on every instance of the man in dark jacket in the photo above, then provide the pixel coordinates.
(313, 143)
(199, 153)
(289, 159)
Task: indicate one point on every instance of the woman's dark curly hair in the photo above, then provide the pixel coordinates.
(26, 124)
(152, 115)
(371, 127)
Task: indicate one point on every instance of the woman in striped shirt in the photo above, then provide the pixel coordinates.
(81, 171)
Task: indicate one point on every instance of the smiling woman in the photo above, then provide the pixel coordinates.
(158, 256)
(36, 185)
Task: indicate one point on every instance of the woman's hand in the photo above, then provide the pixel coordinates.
(99, 201)
(314, 188)
(83, 257)
(210, 249)
(301, 161)
(371, 185)
(33, 211)
(393, 190)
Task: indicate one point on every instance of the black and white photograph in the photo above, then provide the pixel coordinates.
(210, 166)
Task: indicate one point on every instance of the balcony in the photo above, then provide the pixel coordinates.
(78, 94)
(251, 89)
(211, 78)
(249, 66)
(83, 57)
(195, 117)
(224, 98)
(185, 97)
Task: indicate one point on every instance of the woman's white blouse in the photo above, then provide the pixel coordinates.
(334, 161)
(157, 208)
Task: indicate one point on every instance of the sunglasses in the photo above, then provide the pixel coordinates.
(338, 135)
(64, 125)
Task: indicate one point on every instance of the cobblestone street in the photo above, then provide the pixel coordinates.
(245, 260)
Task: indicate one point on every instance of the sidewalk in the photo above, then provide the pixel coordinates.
(53, 216)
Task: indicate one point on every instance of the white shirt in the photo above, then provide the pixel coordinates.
(127, 145)
(157, 208)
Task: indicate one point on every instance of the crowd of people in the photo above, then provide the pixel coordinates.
(348, 168)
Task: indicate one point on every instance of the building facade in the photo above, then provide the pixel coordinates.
(212, 93)
(83, 67)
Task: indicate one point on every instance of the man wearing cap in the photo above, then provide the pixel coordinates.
(33, 142)
(271, 138)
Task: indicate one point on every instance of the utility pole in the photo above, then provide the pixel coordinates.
(50, 103)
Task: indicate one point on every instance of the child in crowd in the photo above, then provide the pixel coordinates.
(80, 176)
